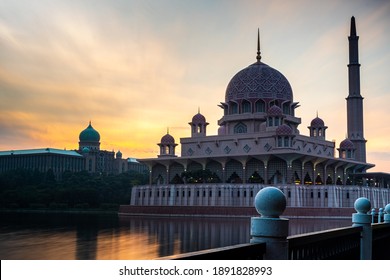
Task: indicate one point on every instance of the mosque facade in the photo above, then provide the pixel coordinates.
(258, 138)
(258, 144)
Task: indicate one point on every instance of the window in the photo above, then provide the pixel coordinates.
(286, 141)
(246, 107)
(280, 142)
(286, 108)
(233, 108)
(240, 128)
(260, 106)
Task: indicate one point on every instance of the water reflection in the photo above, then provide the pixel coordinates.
(93, 236)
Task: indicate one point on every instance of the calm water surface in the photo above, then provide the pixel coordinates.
(66, 236)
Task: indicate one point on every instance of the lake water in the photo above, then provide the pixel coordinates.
(66, 236)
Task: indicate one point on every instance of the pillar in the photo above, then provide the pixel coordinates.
(270, 203)
(361, 218)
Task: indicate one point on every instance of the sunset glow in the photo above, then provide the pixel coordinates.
(136, 68)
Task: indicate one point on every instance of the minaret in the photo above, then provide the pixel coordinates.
(354, 99)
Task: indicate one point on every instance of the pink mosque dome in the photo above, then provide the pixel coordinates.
(258, 81)
(347, 144)
(275, 111)
(198, 119)
(284, 129)
(317, 123)
(167, 139)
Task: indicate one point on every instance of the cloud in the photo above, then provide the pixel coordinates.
(135, 68)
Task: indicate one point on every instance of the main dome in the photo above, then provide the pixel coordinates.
(258, 81)
(89, 135)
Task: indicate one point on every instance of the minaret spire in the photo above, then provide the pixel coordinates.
(258, 56)
(353, 27)
(355, 131)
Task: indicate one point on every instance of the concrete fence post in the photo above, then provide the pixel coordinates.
(270, 203)
(380, 215)
(387, 215)
(361, 218)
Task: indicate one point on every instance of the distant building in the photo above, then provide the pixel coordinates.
(88, 157)
(42, 160)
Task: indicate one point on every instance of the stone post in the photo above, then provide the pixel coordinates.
(380, 215)
(387, 215)
(361, 218)
(270, 203)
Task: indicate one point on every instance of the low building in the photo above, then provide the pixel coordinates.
(42, 160)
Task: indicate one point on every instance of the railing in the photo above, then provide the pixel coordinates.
(363, 240)
(343, 243)
(381, 241)
(235, 252)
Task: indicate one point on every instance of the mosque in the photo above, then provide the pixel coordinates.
(259, 144)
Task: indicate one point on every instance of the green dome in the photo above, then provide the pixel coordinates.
(89, 134)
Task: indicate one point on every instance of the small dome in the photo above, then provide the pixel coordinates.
(198, 119)
(275, 111)
(284, 129)
(258, 81)
(85, 150)
(347, 145)
(89, 134)
(317, 123)
(167, 139)
(118, 154)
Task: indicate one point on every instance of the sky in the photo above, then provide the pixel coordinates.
(136, 68)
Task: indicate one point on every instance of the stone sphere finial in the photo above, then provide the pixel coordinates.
(387, 208)
(270, 202)
(362, 205)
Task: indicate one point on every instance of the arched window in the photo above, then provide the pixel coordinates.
(286, 108)
(233, 108)
(246, 107)
(280, 142)
(286, 141)
(240, 128)
(260, 106)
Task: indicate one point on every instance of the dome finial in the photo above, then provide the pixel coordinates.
(167, 130)
(198, 109)
(258, 57)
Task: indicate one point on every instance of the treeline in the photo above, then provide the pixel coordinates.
(31, 189)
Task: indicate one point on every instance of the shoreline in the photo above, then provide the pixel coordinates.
(224, 211)
(58, 211)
